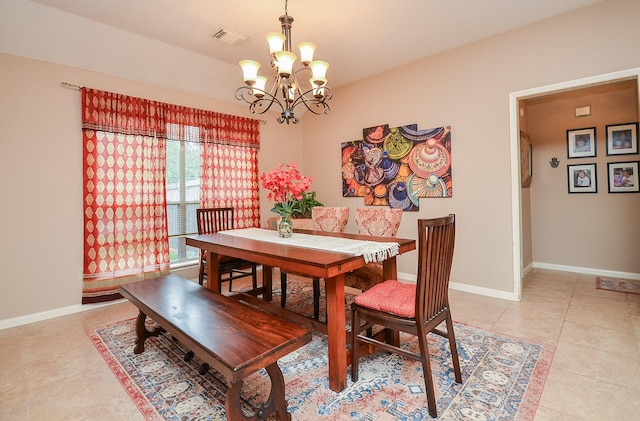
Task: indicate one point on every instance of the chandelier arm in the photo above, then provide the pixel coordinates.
(317, 102)
(245, 93)
(303, 98)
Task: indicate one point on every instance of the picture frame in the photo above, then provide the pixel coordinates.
(623, 177)
(526, 150)
(622, 139)
(582, 178)
(581, 143)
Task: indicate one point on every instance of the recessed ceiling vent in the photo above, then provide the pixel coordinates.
(229, 37)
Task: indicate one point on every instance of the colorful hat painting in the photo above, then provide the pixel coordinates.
(397, 166)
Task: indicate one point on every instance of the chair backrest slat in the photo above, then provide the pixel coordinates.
(436, 240)
(212, 220)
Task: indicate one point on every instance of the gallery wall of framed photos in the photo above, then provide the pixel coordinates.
(619, 141)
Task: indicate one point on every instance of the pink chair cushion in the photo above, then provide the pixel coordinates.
(378, 222)
(330, 219)
(390, 297)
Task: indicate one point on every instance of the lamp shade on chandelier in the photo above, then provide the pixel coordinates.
(305, 86)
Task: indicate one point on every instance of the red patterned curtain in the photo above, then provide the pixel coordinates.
(230, 179)
(125, 219)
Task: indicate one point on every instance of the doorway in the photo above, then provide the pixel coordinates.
(520, 236)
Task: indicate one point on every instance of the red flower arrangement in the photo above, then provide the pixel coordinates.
(286, 186)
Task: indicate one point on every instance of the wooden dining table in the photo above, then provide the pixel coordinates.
(314, 263)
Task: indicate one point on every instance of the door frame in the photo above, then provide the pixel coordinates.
(514, 135)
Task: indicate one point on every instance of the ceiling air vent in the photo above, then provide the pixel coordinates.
(229, 37)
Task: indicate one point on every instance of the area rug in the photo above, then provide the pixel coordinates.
(617, 284)
(503, 379)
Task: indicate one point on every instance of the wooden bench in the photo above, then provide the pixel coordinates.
(235, 339)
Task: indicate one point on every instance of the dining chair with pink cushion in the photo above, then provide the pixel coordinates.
(417, 309)
(377, 222)
(327, 219)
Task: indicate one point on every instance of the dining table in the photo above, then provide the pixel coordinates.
(316, 254)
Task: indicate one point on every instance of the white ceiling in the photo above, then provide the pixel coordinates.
(359, 38)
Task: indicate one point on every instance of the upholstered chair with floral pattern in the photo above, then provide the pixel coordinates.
(377, 222)
(330, 219)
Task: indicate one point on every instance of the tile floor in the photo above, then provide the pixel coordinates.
(50, 370)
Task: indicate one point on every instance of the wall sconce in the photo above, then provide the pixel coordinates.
(554, 162)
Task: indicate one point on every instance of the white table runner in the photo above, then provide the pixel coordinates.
(371, 251)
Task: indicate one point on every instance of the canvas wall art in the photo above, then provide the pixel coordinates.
(397, 166)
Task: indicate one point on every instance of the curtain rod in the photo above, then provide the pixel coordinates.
(71, 86)
(78, 88)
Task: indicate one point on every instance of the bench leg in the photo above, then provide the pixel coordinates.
(142, 333)
(275, 403)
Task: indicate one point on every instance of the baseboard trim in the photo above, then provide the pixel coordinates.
(188, 271)
(527, 269)
(587, 271)
(408, 277)
(51, 314)
(411, 278)
(489, 292)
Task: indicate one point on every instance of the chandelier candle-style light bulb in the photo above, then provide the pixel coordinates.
(286, 92)
(259, 86)
(249, 71)
(318, 92)
(285, 61)
(318, 88)
(306, 52)
(275, 41)
(319, 70)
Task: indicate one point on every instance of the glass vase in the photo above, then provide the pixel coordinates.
(285, 226)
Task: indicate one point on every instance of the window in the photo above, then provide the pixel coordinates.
(183, 193)
(147, 166)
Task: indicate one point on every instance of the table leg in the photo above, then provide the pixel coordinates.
(213, 274)
(267, 282)
(336, 327)
(390, 268)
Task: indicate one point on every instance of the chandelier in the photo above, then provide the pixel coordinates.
(290, 84)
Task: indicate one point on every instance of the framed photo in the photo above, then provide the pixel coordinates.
(623, 177)
(582, 178)
(622, 139)
(581, 143)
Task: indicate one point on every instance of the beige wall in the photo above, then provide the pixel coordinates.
(467, 88)
(596, 230)
(41, 176)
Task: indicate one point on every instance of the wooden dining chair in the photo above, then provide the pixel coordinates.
(210, 221)
(327, 219)
(417, 309)
(377, 222)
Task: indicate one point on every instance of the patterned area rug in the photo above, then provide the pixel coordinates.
(503, 379)
(617, 284)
